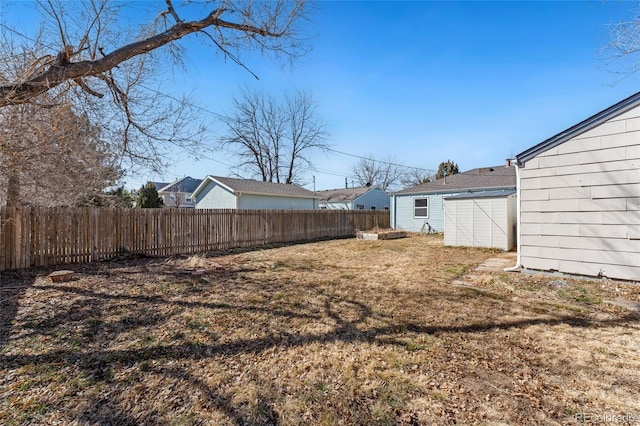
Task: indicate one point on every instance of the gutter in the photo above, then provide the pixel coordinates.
(517, 266)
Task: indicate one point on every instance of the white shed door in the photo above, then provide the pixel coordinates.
(480, 222)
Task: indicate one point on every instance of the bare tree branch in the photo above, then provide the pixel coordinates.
(271, 139)
(275, 24)
(387, 174)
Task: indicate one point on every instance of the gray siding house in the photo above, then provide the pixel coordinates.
(421, 208)
(579, 203)
(217, 192)
(361, 198)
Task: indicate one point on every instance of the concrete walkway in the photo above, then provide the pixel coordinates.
(507, 260)
(493, 264)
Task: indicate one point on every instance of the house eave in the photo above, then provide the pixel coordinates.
(204, 183)
(454, 190)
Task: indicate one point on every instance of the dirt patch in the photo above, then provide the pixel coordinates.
(335, 332)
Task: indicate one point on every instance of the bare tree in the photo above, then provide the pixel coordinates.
(414, 176)
(273, 139)
(51, 156)
(385, 173)
(108, 60)
(623, 49)
(306, 133)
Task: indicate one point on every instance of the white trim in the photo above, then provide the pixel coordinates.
(428, 207)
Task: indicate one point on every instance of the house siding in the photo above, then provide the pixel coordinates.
(180, 199)
(375, 198)
(404, 213)
(214, 196)
(251, 201)
(338, 205)
(580, 203)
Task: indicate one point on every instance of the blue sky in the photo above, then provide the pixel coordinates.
(423, 82)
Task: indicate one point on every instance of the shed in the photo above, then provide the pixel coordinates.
(481, 219)
(579, 197)
(217, 192)
(359, 198)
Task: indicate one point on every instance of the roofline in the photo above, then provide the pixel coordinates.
(311, 197)
(176, 181)
(492, 194)
(204, 182)
(584, 126)
(480, 188)
(369, 189)
(239, 193)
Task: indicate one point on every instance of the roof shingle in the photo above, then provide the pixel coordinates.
(264, 188)
(343, 194)
(185, 184)
(481, 178)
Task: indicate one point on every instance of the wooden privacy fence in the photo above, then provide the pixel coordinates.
(32, 236)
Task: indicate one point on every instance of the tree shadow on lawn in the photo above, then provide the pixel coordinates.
(13, 286)
(346, 332)
(349, 317)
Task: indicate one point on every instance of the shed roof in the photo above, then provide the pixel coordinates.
(475, 179)
(584, 126)
(250, 186)
(185, 184)
(499, 193)
(344, 194)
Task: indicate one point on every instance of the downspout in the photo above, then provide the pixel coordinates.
(518, 232)
(393, 225)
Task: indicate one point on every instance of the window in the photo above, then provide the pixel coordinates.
(373, 207)
(360, 206)
(421, 207)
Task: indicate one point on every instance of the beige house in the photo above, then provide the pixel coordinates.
(178, 193)
(579, 197)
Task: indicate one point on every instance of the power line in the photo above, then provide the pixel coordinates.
(378, 161)
(218, 115)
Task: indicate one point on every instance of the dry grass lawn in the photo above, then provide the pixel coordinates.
(334, 332)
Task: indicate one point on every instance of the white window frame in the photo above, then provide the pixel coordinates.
(415, 216)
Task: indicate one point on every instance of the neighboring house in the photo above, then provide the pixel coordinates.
(217, 192)
(361, 198)
(178, 193)
(421, 208)
(159, 185)
(579, 191)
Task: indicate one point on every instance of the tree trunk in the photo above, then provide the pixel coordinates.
(13, 190)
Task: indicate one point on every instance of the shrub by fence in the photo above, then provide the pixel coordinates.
(31, 236)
